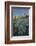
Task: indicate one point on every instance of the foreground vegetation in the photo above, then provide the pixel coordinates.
(21, 25)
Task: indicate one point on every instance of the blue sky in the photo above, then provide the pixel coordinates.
(20, 11)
